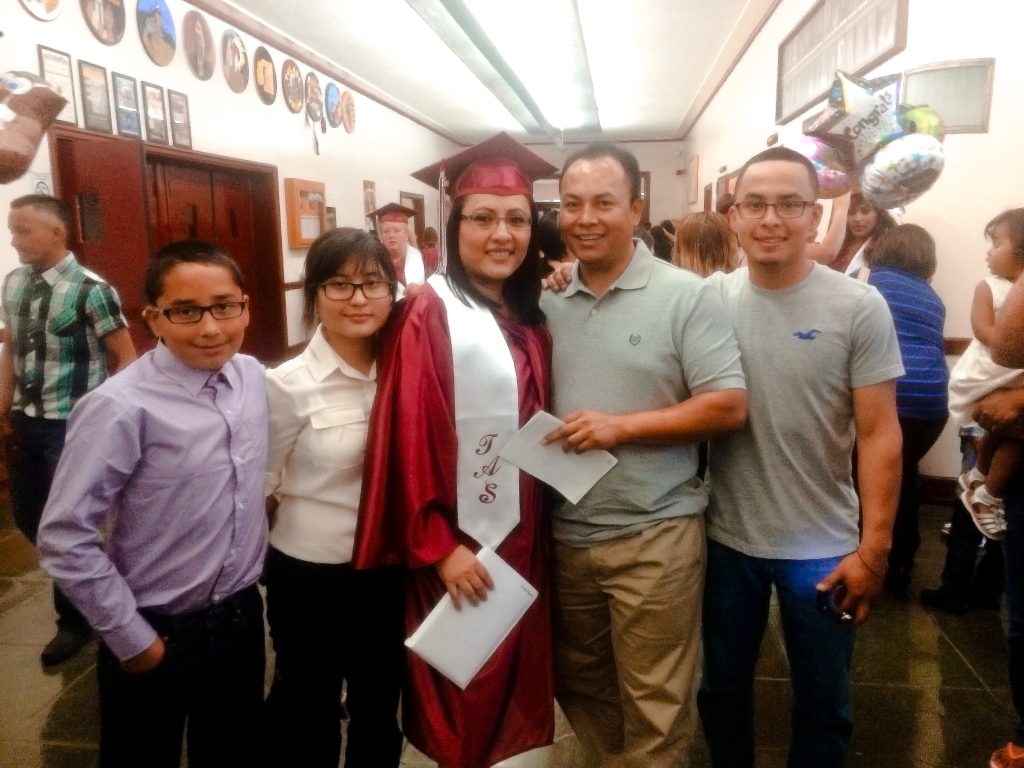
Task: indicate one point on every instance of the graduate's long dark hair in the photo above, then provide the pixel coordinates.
(522, 288)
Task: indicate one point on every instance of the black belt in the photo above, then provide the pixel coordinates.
(244, 603)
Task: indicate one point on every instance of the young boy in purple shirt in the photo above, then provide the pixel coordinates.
(155, 525)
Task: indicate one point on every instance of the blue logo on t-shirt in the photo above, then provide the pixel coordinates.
(806, 335)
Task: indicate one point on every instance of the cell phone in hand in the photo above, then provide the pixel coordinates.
(832, 602)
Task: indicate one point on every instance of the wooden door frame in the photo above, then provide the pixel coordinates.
(266, 222)
(420, 220)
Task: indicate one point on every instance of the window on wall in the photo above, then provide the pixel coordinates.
(852, 35)
(960, 91)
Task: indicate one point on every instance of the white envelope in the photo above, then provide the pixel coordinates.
(458, 643)
(571, 474)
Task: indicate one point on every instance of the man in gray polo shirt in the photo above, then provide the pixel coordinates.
(645, 365)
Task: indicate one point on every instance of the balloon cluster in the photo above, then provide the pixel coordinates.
(865, 135)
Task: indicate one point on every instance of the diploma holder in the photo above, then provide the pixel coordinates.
(457, 643)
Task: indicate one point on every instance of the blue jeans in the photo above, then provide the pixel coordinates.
(737, 594)
(1013, 561)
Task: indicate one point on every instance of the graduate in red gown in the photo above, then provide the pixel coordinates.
(466, 358)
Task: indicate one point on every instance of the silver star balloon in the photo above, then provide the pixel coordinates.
(861, 116)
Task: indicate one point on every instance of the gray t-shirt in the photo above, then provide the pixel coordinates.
(658, 335)
(781, 488)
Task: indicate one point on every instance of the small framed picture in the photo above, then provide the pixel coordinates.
(181, 126)
(153, 109)
(126, 103)
(55, 68)
(95, 97)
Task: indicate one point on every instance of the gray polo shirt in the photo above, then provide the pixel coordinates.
(656, 336)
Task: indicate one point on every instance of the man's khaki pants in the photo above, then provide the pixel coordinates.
(627, 643)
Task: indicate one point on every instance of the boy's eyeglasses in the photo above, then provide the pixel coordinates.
(193, 313)
(785, 209)
(338, 290)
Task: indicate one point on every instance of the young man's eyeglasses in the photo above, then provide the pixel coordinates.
(486, 222)
(339, 290)
(784, 209)
(193, 313)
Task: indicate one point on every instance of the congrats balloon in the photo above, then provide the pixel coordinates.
(902, 170)
(834, 176)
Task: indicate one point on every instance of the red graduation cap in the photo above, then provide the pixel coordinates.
(499, 165)
(393, 212)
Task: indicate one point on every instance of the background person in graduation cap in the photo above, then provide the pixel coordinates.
(393, 228)
(464, 365)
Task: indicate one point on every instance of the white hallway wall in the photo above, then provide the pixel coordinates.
(385, 147)
(982, 174)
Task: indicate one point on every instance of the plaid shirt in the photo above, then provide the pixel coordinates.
(57, 319)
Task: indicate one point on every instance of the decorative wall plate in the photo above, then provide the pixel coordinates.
(197, 42)
(264, 74)
(332, 104)
(348, 111)
(314, 98)
(105, 19)
(234, 61)
(44, 10)
(291, 86)
(156, 28)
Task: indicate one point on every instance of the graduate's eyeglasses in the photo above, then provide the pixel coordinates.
(487, 222)
(338, 290)
(192, 313)
(784, 209)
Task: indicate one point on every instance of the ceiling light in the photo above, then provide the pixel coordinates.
(531, 56)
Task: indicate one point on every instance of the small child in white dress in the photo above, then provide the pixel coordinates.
(977, 375)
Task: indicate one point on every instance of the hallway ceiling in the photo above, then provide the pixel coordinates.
(653, 64)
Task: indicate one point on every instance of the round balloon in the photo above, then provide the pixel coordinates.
(922, 119)
(902, 170)
(834, 176)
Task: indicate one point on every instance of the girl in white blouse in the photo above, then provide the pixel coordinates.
(330, 623)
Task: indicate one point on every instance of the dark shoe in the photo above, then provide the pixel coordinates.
(941, 600)
(65, 644)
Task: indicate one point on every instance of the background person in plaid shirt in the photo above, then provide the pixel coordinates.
(67, 334)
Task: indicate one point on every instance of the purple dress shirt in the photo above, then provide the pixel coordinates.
(158, 498)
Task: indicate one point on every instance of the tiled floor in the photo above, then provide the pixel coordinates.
(929, 689)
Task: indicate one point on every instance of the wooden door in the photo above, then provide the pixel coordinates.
(193, 201)
(101, 179)
(187, 205)
(130, 199)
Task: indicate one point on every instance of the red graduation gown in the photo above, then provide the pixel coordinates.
(408, 517)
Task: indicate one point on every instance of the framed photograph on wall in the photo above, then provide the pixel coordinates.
(55, 68)
(181, 125)
(153, 109)
(95, 97)
(126, 105)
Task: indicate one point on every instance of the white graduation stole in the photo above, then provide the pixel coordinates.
(486, 416)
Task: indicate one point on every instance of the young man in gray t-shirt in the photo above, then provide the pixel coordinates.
(820, 354)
